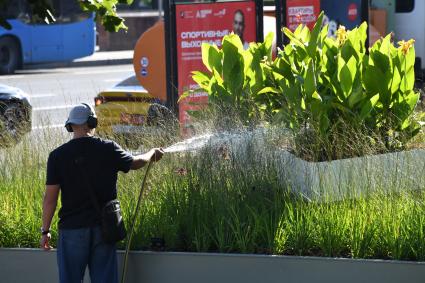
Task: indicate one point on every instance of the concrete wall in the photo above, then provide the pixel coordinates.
(137, 23)
(26, 265)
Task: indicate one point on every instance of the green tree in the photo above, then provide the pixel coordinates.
(105, 11)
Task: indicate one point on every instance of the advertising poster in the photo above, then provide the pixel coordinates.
(198, 23)
(301, 12)
(341, 12)
(346, 13)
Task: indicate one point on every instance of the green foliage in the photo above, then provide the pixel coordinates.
(236, 76)
(105, 11)
(230, 203)
(327, 84)
(320, 87)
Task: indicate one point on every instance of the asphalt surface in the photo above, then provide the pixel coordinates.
(99, 58)
(54, 91)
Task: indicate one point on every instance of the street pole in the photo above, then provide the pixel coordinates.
(160, 9)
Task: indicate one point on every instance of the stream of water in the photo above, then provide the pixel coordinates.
(190, 144)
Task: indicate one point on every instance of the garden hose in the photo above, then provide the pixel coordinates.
(130, 233)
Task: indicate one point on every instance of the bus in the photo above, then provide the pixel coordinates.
(30, 40)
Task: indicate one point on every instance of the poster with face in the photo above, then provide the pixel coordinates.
(209, 22)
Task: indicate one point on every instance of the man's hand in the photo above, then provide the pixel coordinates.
(156, 154)
(44, 242)
(50, 201)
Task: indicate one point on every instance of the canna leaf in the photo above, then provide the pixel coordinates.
(368, 107)
(381, 61)
(294, 39)
(408, 80)
(268, 45)
(395, 82)
(356, 96)
(405, 107)
(344, 77)
(201, 79)
(212, 57)
(312, 45)
(233, 69)
(310, 80)
(410, 58)
(373, 80)
(269, 90)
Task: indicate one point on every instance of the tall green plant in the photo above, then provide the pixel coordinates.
(327, 90)
(235, 76)
(326, 84)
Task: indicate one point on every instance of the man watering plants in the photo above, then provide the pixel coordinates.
(85, 171)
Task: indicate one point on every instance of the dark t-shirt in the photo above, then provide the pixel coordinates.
(102, 161)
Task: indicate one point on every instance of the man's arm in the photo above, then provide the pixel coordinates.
(50, 202)
(139, 161)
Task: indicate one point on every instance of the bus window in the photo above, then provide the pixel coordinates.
(35, 19)
(71, 12)
(12, 10)
(404, 6)
(138, 5)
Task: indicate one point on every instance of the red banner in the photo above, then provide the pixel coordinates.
(198, 23)
(302, 12)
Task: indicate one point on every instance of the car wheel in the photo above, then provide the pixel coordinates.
(9, 55)
(12, 123)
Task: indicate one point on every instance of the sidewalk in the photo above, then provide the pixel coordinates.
(99, 58)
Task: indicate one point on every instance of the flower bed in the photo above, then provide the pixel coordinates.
(229, 201)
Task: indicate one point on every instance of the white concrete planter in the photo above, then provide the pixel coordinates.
(353, 177)
(28, 265)
(332, 180)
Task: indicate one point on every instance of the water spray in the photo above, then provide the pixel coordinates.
(191, 144)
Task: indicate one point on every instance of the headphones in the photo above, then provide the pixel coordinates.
(91, 120)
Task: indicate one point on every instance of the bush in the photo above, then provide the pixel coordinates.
(327, 90)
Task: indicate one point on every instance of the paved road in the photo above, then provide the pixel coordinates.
(54, 91)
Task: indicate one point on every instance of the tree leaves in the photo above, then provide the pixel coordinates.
(105, 11)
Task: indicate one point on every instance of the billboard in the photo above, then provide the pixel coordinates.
(301, 12)
(206, 22)
(292, 13)
(346, 13)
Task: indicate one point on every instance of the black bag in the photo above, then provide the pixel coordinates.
(112, 225)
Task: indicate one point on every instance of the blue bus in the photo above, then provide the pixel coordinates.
(30, 40)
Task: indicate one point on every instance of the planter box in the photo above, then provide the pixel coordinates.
(332, 180)
(353, 177)
(28, 265)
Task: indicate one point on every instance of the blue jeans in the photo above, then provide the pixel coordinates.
(78, 248)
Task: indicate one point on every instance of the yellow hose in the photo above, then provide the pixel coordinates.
(130, 233)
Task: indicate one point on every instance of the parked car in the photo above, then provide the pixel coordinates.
(128, 108)
(15, 114)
